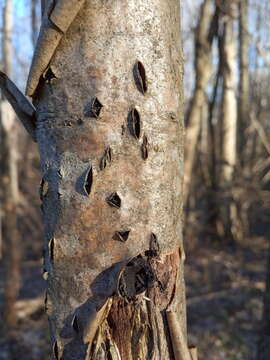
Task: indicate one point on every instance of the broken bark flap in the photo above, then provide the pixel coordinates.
(136, 277)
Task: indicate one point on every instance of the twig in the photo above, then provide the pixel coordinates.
(21, 105)
(180, 348)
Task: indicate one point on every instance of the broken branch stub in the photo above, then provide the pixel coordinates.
(20, 104)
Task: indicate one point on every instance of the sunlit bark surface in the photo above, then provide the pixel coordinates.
(110, 133)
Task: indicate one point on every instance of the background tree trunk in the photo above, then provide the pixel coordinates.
(9, 186)
(228, 120)
(229, 104)
(34, 21)
(204, 35)
(110, 133)
(244, 100)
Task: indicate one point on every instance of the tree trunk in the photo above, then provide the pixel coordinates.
(229, 104)
(9, 187)
(243, 107)
(34, 22)
(228, 122)
(109, 107)
(204, 35)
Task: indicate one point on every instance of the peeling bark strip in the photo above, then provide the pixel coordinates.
(111, 281)
(55, 23)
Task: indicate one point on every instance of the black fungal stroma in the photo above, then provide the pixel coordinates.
(95, 108)
(114, 200)
(136, 278)
(134, 123)
(140, 77)
(88, 181)
(121, 235)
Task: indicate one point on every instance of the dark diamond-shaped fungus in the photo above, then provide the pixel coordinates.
(88, 181)
(134, 123)
(49, 75)
(140, 77)
(95, 107)
(106, 158)
(114, 200)
(144, 148)
(121, 236)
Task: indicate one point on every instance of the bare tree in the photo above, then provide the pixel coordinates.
(244, 99)
(34, 21)
(229, 104)
(9, 186)
(228, 127)
(110, 133)
(204, 35)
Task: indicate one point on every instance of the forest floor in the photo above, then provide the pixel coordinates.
(224, 295)
(225, 299)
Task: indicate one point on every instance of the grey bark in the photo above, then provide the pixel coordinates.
(106, 81)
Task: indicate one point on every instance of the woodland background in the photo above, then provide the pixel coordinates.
(226, 190)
